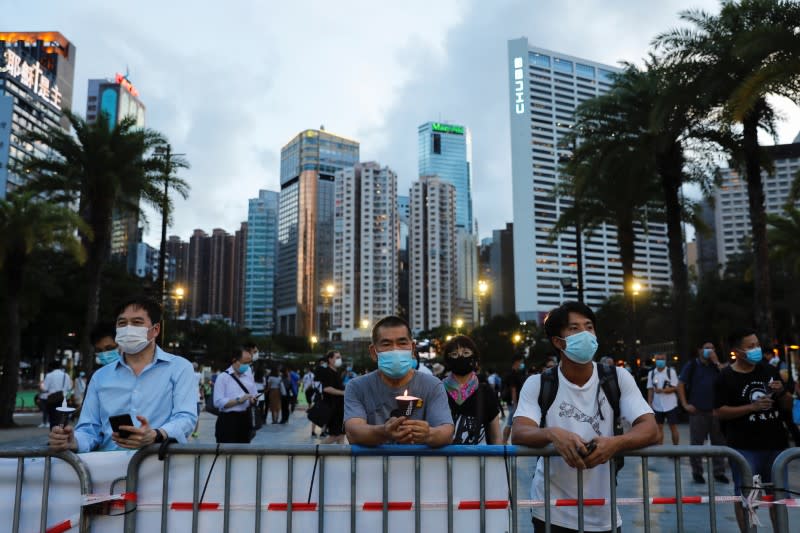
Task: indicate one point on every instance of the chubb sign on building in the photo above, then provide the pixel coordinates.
(519, 86)
(32, 76)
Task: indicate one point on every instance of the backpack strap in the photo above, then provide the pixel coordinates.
(610, 386)
(547, 392)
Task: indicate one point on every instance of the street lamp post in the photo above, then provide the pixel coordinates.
(636, 288)
(483, 289)
(459, 323)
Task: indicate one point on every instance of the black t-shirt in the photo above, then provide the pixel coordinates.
(762, 430)
(514, 379)
(472, 417)
(329, 378)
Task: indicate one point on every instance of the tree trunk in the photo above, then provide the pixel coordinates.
(97, 257)
(625, 240)
(671, 172)
(15, 268)
(758, 223)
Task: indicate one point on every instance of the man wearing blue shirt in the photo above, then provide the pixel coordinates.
(155, 388)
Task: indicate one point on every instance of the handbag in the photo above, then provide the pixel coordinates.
(54, 399)
(255, 421)
(320, 413)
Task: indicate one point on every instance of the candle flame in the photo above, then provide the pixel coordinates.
(405, 392)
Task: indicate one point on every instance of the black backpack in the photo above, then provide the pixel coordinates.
(609, 384)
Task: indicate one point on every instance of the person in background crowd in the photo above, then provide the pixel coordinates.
(749, 397)
(41, 403)
(286, 395)
(234, 393)
(371, 407)
(56, 383)
(696, 394)
(473, 405)
(512, 385)
(80, 389)
(497, 385)
(662, 384)
(419, 366)
(608, 361)
(295, 379)
(156, 387)
(348, 375)
(579, 423)
(198, 376)
(333, 395)
(273, 388)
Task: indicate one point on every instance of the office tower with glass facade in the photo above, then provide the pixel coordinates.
(36, 76)
(261, 263)
(731, 212)
(118, 99)
(432, 254)
(501, 261)
(309, 163)
(545, 87)
(365, 263)
(240, 270)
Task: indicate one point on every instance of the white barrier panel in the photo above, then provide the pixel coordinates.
(337, 492)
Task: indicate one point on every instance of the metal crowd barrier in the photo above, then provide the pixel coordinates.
(509, 455)
(780, 477)
(71, 459)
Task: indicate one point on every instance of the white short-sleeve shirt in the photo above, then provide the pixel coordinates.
(586, 412)
(658, 379)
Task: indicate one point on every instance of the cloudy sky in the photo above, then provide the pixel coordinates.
(230, 83)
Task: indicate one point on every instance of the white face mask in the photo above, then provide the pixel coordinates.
(337, 363)
(132, 339)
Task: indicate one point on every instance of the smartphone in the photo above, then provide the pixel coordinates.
(590, 446)
(121, 420)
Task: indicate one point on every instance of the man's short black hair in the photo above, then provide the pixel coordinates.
(737, 336)
(237, 354)
(390, 321)
(102, 330)
(150, 307)
(558, 318)
(330, 353)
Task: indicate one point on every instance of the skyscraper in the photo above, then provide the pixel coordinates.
(501, 260)
(36, 74)
(432, 254)
(365, 265)
(445, 150)
(240, 270)
(545, 89)
(118, 99)
(305, 217)
(403, 214)
(261, 255)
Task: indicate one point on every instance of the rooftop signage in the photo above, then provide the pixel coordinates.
(31, 75)
(447, 128)
(125, 84)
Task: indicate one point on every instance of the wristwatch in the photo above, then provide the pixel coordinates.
(159, 436)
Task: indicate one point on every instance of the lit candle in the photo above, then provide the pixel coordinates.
(406, 403)
(65, 412)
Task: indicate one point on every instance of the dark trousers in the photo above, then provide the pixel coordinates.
(284, 409)
(704, 424)
(233, 427)
(539, 527)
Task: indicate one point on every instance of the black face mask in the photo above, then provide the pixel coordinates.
(460, 366)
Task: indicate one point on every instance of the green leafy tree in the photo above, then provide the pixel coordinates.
(737, 59)
(104, 168)
(28, 225)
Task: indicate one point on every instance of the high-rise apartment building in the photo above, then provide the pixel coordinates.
(403, 215)
(309, 163)
(365, 264)
(119, 99)
(731, 213)
(221, 287)
(36, 75)
(545, 89)
(261, 261)
(240, 271)
(178, 253)
(432, 254)
(501, 261)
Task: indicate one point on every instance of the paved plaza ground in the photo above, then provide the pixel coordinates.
(660, 475)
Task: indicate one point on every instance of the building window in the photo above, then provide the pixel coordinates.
(437, 143)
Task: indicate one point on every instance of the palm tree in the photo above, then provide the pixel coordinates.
(28, 225)
(103, 167)
(609, 180)
(737, 58)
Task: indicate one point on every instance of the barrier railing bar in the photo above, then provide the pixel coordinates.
(417, 495)
(645, 495)
(676, 465)
(546, 493)
(514, 518)
(780, 477)
(164, 494)
(579, 474)
(18, 494)
(482, 475)
(353, 494)
(290, 492)
(385, 481)
(612, 469)
(259, 482)
(321, 489)
(712, 494)
(45, 495)
(196, 495)
(226, 513)
(450, 494)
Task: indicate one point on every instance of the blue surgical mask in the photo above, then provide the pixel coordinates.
(105, 358)
(581, 347)
(414, 364)
(395, 364)
(754, 355)
(661, 363)
(244, 367)
(522, 366)
(707, 353)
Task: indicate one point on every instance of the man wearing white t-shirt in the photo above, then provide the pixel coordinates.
(579, 423)
(662, 387)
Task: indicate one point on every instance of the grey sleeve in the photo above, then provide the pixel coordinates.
(353, 405)
(438, 412)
